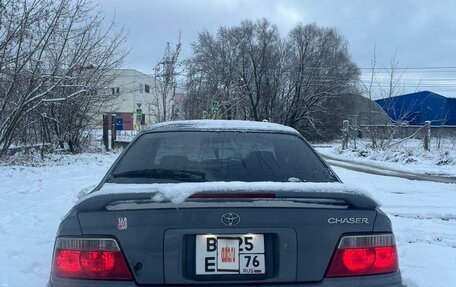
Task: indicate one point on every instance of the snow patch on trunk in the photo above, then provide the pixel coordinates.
(223, 125)
(179, 192)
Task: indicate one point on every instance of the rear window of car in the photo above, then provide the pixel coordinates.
(219, 156)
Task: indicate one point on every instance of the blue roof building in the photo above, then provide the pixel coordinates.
(416, 108)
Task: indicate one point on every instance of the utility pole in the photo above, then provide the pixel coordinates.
(345, 136)
(427, 135)
(165, 72)
(106, 132)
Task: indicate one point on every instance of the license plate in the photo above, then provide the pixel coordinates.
(230, 254)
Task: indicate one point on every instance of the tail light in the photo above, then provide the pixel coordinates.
(89, 258)
(364, 255)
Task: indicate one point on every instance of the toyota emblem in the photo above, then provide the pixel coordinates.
(230, 219)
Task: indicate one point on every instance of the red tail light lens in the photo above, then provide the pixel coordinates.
(386, 257)
(67, 261)
(89, 259)
(358, 260)
(364, 255)
(98, 263)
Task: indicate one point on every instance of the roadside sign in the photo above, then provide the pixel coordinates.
(215, 107)
(138, 111)
(119, 123)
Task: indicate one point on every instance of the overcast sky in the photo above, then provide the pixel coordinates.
(422, 31)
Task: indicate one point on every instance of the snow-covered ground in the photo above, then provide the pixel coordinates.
(34, 199)
(408, 156)
(32, 202)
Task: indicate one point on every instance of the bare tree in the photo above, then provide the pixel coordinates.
(372, 133)
(255, 74)
(236, 68)
(383, 134)
(53, 56)
(372, 74)
(319, 67)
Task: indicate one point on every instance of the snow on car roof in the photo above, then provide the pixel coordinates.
(233, 125)
(179, 192)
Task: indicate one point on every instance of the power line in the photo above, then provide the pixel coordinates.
(418, 71)
(412, 79)
(411, 68)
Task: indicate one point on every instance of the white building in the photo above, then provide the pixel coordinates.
(134, 98)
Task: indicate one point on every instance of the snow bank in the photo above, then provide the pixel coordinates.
(224, 125)
(33, 199)
(178, 192)
(408, 156)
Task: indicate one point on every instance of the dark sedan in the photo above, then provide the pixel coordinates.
(224, 202)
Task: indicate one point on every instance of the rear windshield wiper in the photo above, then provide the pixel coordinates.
(159, 173)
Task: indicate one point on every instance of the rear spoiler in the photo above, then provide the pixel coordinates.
(354, 200)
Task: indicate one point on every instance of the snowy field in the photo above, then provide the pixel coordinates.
(34, 199)
(408, 156)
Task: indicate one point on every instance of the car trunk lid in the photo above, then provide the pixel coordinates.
(158, 237)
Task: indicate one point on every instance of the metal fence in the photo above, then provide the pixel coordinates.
(405, 131)
(398, 132)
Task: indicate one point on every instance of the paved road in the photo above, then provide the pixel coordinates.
(380, 170)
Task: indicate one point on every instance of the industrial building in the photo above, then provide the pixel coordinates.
(416, 108)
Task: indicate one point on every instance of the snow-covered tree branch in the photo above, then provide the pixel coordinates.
(54, 56)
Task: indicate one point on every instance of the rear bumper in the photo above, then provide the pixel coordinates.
(386, 280)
